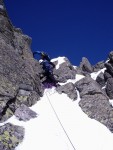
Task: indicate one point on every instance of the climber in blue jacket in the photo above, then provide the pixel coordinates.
(42, 54)
(47, 66)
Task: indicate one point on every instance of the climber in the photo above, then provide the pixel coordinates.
(42, 54)
(47, 66)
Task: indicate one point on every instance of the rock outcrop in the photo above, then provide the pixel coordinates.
(98, 66)
(18, 70)
(10, 136)
(85, 66)
(68, 89)
(65, 71)
(108, 74)
(94, 102)
(100, 79)
(24, 113)
(19, 80)
(20, 85)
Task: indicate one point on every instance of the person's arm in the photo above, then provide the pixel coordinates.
(37, 52)
(52, 64)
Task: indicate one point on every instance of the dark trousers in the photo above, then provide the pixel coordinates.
(50, 77)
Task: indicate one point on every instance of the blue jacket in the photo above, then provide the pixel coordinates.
(47, 65)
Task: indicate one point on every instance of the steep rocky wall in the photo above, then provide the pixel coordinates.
(19, 72)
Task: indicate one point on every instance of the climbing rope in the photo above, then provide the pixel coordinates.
(60, 122)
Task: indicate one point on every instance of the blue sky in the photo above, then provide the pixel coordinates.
(71, 28)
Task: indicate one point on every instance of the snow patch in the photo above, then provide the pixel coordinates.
(111, 102)
(82, 130)
(60, 61)
(104, 87)
(95, 74)
(75, 67)
(46, 133)
(77, 78)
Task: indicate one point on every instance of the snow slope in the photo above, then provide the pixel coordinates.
(62, 125)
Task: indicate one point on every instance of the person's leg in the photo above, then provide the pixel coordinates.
(52, 78)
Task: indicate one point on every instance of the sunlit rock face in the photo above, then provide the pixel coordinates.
(21, 87)
(109, 75)
(64, 69)
(10, 136)
(18, 70)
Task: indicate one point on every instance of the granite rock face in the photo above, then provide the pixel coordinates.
(108, 75)
(68, 89)
(85, 66)
(10, 136)
(25, 113)
(65, 71)
(18, 70)
(100, 79)
(109, 88)
(94, 102)
(98, 66)
(20, 85)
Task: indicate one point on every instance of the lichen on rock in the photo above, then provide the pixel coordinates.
(10, 136)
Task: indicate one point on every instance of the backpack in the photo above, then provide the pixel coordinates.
(47, 65)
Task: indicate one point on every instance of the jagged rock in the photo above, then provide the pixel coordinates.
(85, 66)
(79, 71)
(109, 88)
(3, 106)
(98, 107)
(6, 114)
(107, 75)
(109, 64)
(100, 79)
(111, 56)
(10, 136)
(24, 113)
(94, 102)
(18, 69)
(20, 41)
(8, 92)
(5, 25)
(28, 98)
(88, 86)
(65, 71)
(7, 89)
(109, 67)
(68, 89)
(98, 66)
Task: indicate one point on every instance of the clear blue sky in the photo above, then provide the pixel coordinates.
(71, 28)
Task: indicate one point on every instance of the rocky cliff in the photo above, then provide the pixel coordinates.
(94, 93)
(19, 72)
(19, 76)
(20, 85)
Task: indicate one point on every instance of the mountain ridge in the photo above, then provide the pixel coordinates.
(21, 87)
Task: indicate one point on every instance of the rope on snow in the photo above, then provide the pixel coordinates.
(60, 122)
